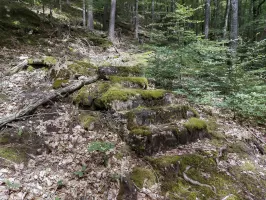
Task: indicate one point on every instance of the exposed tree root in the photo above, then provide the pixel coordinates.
(221, 150)
(28, 109)
(196, 182)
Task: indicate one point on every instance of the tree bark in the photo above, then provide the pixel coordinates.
(105, 12)
(207, 18)
(90, 15)
(112, 21)
(30, 108)
(226, 19)
(84, 13)
(234, 26)
(136, 19)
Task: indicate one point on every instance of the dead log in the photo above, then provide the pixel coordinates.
(19, 67)
(28, 109)
(46, 61)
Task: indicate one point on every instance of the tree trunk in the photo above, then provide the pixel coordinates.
(152, 11)
(137, 19)
(112, 21)
(105, 13)
(226, 19)
(84, 13)
(234, 26)
(67, 1)
(60, 5)
(207, 18)
(90, 15)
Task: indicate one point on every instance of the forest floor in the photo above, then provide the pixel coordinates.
(44, 155)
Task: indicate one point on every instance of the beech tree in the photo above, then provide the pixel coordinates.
(112, 20)
(90, 15)
(207, 18)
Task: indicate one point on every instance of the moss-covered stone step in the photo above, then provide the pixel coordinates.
(74, 70)
(145, 116)
(148, 141)
(106, 72)
(118, 99)
(199, 168)
(130, 82)
(85, 96)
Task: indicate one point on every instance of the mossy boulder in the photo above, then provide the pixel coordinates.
(117, 98)
(107, 71)
(85, 96)
(59, 83)
(143, 116)
(87, 121)
(195, 124)
(202, 169)
(74, 70)
(140, 175)
(131, 82)
(82, 68)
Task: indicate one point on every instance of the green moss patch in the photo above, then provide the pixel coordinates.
(82, 68)
(164, 161)
(13, 154)
(140, 81)
(139, 175)
(58, 83)
(202, 169)
(87, 120)
(86, 95)
(195, 124)
(141, 131)
(124, 94)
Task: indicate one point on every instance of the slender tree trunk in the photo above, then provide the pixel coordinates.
(137, 19)
(226, 19)
(207, 18)
(112, 21)
(105, 13)
(152, 11)
(84, 13)
(90, 15)
(67, 1)
(60, 5)
(234, 26)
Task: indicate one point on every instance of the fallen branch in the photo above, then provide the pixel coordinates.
(28, 109)
(196, 182)
(19, 67)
